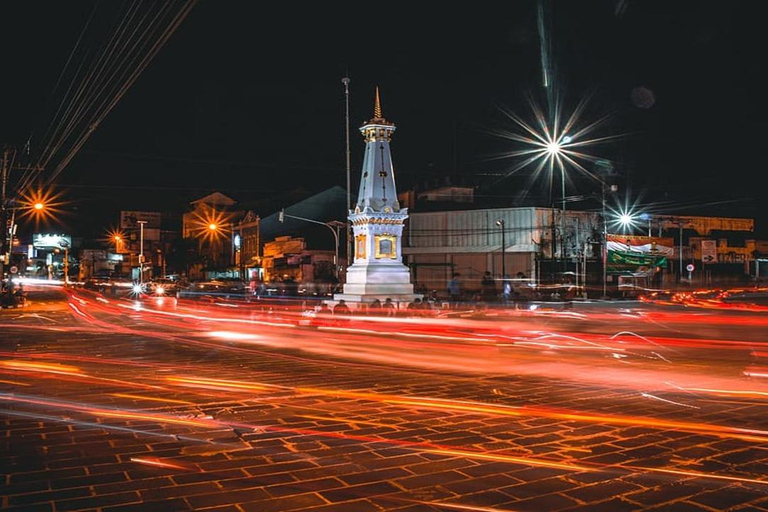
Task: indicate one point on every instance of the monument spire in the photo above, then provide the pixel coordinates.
(377, 222)
(377, 106)
(377, 186)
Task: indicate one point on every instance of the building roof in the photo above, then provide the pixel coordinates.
(215, 199)
(325, 206)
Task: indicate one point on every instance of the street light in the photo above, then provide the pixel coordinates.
(334, 226)
(347, 225)
(65, 245)
(500, 223)
(141, 250)
(626, 220)
(36, 208)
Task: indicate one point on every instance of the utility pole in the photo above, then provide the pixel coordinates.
(141, 250)
(346, 81)
(605, 247)
(501, 224)
(680, 251)
(3, 213)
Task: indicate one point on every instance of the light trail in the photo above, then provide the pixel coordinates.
(15, 383)
(654, 397)
(457, 506)
(425, 447)
(67, 373)
(152, 399)
(153, 461)
(752, 435)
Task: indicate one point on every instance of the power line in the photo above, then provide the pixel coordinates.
(100, 82)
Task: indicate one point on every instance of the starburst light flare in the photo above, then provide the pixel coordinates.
(626, 218)
(212, 226)
(552, 143)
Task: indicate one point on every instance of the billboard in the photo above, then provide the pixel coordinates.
(49, 241)
(643, 244)
(130, 219)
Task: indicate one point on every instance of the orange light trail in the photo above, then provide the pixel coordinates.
(15, 383)
(59, 369)
(152, 399)
(456, 506)
(753, 435)
(426, 447)
(224, 385)
(343, 420)
(152, 461)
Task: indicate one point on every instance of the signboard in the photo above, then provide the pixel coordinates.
(690, 268)
(636, 259)
(709, 251)
(48, 241)
(642, 244)
(130, 219)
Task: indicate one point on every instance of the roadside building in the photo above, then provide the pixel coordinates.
(547, 246)
(226, 237)
(309, 220)
(288, 259)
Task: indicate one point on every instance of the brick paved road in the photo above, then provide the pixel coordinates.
(120, 412)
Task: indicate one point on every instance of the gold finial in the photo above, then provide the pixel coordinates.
(377, 106)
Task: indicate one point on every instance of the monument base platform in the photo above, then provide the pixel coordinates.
(351, 298)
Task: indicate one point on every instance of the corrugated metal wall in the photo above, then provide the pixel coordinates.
(474, 229)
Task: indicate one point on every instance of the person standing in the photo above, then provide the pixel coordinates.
(388, 307)
(488, 286)
(454, 290)
(341, 308)
(375, 307)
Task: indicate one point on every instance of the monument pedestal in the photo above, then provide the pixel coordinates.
(368, 281)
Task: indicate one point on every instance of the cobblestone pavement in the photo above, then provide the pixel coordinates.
(97, 417)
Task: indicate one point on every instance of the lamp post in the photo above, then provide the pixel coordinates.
(553, 149)
(346, 81)
(500, 223)
(334, 226)
(141, 250)
(65, 245)
(37, 208)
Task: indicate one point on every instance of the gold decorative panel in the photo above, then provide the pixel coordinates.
(386, 246)
(360, 247)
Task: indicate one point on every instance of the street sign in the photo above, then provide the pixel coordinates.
(708, 251)
(14, 269)
(690, 267)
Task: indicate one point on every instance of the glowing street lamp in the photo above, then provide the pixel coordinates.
(626, 219)
(36, 208)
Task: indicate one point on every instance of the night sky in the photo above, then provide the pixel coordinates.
(246, 98)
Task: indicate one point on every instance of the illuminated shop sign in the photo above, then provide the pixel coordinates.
(48, 241)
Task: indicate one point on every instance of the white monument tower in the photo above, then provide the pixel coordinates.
(377, 271)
